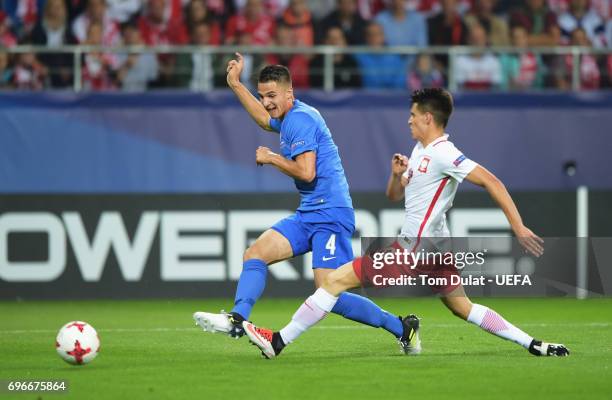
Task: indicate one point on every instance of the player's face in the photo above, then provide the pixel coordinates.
(276, 98)
(417, 122)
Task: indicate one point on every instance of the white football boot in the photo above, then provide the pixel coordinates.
(214, 323)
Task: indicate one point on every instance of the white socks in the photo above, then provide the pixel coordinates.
(314, 309)
(494, 323)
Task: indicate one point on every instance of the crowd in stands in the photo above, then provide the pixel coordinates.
(376, 23)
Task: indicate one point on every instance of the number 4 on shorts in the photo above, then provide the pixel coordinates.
(331, 244)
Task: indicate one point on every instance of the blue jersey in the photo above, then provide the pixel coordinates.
(303, 129)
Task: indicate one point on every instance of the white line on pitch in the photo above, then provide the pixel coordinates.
(324, 327)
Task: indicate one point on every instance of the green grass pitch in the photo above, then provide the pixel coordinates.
(151, 349)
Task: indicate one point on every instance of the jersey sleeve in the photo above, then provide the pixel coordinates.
(275, 124)
(453, 163)
(301, 131)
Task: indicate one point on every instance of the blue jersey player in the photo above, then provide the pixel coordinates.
(323, 223)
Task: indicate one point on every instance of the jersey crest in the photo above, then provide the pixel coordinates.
(424, 164)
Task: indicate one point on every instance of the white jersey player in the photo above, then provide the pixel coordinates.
(428, 182)
(431, 180)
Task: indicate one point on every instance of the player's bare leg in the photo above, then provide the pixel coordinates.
(405, 330)
(489, 320)
(340, 280)
(270, 247)
(315, 308)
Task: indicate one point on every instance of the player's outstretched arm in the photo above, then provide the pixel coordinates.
(497, 190)
(397, 182)
(255, 109)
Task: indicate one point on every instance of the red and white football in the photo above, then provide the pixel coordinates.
(77, 343)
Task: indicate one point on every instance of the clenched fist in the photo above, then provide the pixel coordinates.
(263, 155)
(399, 164)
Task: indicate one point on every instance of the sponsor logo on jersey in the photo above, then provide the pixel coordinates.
(459, 160)
(298, 143)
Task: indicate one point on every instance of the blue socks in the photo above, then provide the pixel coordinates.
(349, 305)
(365, 311)
(250, 286)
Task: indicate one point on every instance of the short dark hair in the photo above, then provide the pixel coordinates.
(275, 73)
(436, 101)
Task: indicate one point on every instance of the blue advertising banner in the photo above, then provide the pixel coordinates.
(194, 143)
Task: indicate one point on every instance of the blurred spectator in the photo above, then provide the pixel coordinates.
(297, 63)
(252, 21)
(98, 67)
(274, 8)
(539, 21)
(75, 8)
(380, 71)
(23, 14)
(368, 9)
(523, 70)
(609, 33)
(321, 8)
(52, 31)
(434, 7)
(29, 73)
(346, 70)
(402, 27)
(123, 10)
(424, 73)
(345, 17)
(496, 27)
(135, 70)
(6, 72)
(7, 39)
(480, 70)
(602, 7)
(298, 18)
(196, 13)
(447, 28)
(158, 27)
(580, 16)
(505, 7)
(590, 76)
(97, 13)
(220, 9)
(197, 70)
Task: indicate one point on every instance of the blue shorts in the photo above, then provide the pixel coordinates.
(326, 232)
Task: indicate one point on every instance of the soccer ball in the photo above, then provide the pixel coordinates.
(77, 343)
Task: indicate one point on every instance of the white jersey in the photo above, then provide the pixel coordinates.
(433, 174)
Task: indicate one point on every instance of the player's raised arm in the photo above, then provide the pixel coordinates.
(397, 182)
(497, 190)
(255, 109)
